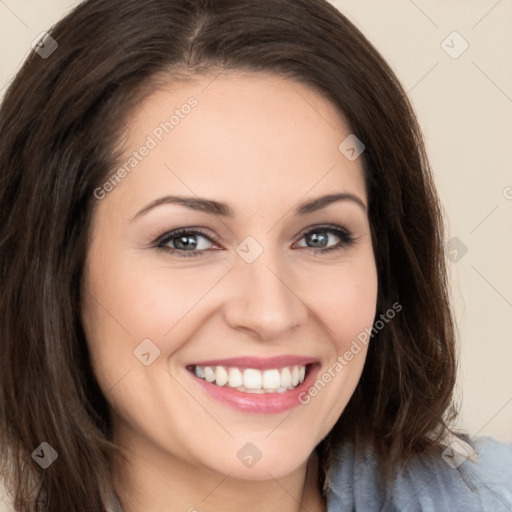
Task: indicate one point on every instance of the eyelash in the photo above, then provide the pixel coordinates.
(344, 234)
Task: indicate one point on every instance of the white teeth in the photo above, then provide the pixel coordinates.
(209, 374)
(295, 376)
(271, 379)
(221, 376)
(286, 377)
(235, 378)
(251, 380)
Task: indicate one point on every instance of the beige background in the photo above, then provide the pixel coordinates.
(464, 105)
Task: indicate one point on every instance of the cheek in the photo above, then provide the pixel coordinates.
(354, 310)
(127, 300)
(144, 301)
(344, 298)
(345, 303)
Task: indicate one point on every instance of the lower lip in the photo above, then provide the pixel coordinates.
(262, 403)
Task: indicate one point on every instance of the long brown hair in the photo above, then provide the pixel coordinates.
(60, 122)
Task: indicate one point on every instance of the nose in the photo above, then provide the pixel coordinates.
(264, 299)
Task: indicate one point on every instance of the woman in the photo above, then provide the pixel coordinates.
(223, 276)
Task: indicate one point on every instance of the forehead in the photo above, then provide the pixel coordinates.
(249, 133)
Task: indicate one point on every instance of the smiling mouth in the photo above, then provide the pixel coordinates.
(252, 380)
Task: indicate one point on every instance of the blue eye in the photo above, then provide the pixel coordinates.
(186, 242)
(321, 235)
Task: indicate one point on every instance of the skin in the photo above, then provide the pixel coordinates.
(261, 144)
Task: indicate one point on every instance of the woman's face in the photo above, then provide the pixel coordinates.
(243, 302)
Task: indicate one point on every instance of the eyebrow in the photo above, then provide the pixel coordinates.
(213, 207)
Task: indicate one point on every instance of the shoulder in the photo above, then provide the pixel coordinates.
(459, 479)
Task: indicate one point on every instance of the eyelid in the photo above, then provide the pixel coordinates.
(328, 227)
(169, 235)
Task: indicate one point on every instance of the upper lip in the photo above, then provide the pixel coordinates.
(258, 363)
